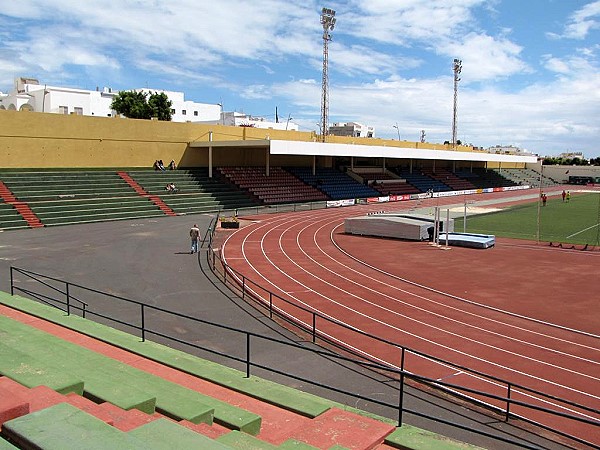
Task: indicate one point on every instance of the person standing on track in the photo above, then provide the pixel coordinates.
(194, 235)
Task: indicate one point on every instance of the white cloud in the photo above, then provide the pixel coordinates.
(583, 21)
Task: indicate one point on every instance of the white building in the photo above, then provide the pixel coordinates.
(30, 95)
(572, 155)
(352, 129)
(238, 119)
(508, 150)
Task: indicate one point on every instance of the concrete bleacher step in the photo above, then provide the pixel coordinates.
(338, 427)
(243, 441)
(212, 431)
(126, 386)
(65, 427)
(5, 445)
(41, 397)
(167, 435)
(31, 372)
(293, 444)
(12, 405)
(126, 420)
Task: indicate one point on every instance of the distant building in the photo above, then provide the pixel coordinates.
(571, 155)
(508, 150)
(238, 119)
(352, 129)
(30, 95)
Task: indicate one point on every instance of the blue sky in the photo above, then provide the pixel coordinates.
(530, 74)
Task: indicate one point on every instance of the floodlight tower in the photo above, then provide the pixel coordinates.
(328, 22)
(457, 68)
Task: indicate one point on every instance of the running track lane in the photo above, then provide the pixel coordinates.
(297, 256)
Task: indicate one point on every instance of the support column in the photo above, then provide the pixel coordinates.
(410, 166)
(268, 161)
(314, 165)
(210, 155)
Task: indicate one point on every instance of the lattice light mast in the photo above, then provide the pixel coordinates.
(457, 68)
(328, 22)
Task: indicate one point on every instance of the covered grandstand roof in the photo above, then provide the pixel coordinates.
(283, 147)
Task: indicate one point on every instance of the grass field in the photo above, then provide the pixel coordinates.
(575, 222)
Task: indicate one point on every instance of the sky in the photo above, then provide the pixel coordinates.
(530, 68)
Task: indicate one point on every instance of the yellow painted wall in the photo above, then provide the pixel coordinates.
(44, 140)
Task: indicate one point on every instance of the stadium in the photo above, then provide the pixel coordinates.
(287, 331)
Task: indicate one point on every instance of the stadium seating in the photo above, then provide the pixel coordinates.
(279, 186)
(335, 184)
(421, 181)
(196, 192)
(449, 178)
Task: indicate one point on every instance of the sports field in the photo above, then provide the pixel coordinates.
(573, 222)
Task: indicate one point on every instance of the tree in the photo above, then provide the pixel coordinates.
(160, 106)
(137, 105)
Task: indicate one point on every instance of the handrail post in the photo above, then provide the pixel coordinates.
(68, 298)
(143, 324)
(314, 328)
(401, 393)
(12, 290)
(243, 287)
(508, 401)
(270, 305)
(247, 355)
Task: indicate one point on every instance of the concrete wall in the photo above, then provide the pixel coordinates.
(44, 140)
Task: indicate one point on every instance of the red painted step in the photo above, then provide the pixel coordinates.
(12, 405)
(127, 420)
(212, 431)
(140, 190)
(22, 208)
(344, 428)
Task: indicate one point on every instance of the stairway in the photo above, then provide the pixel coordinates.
(140, 190)
(22, 208)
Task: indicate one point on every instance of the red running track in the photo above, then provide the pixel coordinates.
(516, 312)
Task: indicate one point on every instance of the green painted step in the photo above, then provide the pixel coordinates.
(163, 434)
(65, 427)
(106, 373)
(292, 399)
(31, 372)
(242, 441)
(408, 437)
(293, 444)
(99, 382)
(5, 445)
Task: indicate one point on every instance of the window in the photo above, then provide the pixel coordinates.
(63, 110)
(172, 111)
(78, 111)
(196, 113)
(183, 112)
